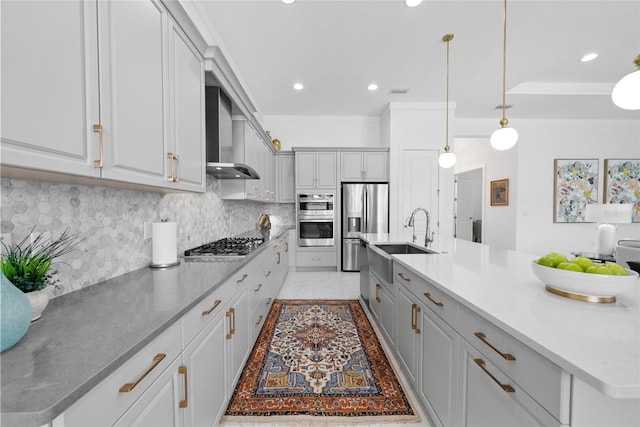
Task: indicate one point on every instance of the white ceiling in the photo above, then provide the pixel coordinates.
(336, 48)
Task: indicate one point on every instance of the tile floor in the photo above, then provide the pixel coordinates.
(331, 285)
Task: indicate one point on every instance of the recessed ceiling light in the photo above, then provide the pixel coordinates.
(372, 87)
(218, 168)
(412, 3)
(287, 1)
(589, 57)
(298, 86)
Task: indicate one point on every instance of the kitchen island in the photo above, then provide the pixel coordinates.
(87, 335)
(597, 345)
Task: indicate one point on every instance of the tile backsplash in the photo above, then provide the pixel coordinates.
(111, 221)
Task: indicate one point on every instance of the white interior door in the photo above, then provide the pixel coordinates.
(419, 188)
(463, 207)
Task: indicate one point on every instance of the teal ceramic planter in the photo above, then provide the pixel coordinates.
(15, 314)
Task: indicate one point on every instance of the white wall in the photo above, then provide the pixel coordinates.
(499, 222)
(324, 131)
(529, 168)
(542, 142)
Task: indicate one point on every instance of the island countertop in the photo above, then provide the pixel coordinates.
(598, 343)
(85, 335)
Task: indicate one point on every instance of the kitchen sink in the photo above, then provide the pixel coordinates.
(379, 256)
(403, 248)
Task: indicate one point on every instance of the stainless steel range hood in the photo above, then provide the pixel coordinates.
(220, 162)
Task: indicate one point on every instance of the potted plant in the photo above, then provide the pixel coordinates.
(27, 265)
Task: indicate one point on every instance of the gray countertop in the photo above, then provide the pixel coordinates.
(85, 335)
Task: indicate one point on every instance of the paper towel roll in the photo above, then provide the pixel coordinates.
(164, 244)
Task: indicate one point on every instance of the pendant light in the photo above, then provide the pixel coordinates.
(447, 159)
(505, 137)
(626, 93)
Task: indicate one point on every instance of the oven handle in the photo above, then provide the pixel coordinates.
(315, 219)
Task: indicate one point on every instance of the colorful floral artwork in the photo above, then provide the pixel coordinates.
(622, 183)
(575, 186)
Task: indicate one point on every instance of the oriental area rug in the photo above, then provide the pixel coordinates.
(318, 361)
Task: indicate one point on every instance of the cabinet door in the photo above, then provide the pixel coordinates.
(388, 314)
(305, 170)
(326, 170)
(376, 166)
(439, 368)
(159, 406)
(187, 113)
(351, 166)
(408, 332)
(375, 300)
(204, 359)
(49, 86)
(237, 334)
(285, 188)
(133, 90)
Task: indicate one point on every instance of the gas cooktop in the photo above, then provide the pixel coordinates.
(227, 247)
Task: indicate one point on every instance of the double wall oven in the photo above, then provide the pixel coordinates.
(316, 219)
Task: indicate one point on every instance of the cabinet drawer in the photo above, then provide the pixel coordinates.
(316, 259)
(491, 398)
(542, 379)
(199, 316)
(106, 402)
(439, 302)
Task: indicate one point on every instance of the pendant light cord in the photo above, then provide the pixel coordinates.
(447, 38)
(504, 120)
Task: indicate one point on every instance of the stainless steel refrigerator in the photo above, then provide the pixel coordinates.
(365, 209)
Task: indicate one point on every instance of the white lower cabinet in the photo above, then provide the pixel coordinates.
(438, 377)
(383, 304)
(185, 376)
(207, 387)
(465, 370)
(490, 398)
(161, 403)
(408, 333)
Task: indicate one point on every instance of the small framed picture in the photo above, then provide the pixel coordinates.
(500, 192)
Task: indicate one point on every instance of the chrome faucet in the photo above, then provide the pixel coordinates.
(428, 238)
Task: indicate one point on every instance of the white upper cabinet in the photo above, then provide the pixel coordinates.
(49, 86)
(364, 166)
(187, 131)
(134, 89)
(119, 97)
(285, 188)
(315, 170)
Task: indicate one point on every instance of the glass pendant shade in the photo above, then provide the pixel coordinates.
(504, 138)
(447, 160)
(626, 93)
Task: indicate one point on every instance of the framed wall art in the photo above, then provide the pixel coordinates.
(622, 183)
(575, 186)
(500, 192)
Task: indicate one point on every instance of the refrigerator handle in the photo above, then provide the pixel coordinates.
(365, 210)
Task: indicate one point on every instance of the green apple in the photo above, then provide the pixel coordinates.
(616, 269)
(598, 269)
(547, 261)
(558, 256)
(583, 262)
(571, 266)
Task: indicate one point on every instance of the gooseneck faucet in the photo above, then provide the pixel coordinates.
(428, 238)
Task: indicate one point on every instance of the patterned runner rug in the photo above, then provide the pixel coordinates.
(318, 360)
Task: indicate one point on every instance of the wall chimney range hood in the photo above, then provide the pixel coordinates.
(220, 162)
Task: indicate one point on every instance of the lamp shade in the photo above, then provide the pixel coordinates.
(609, 213)
(626, 93)
(447, 160)
(504, 138)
